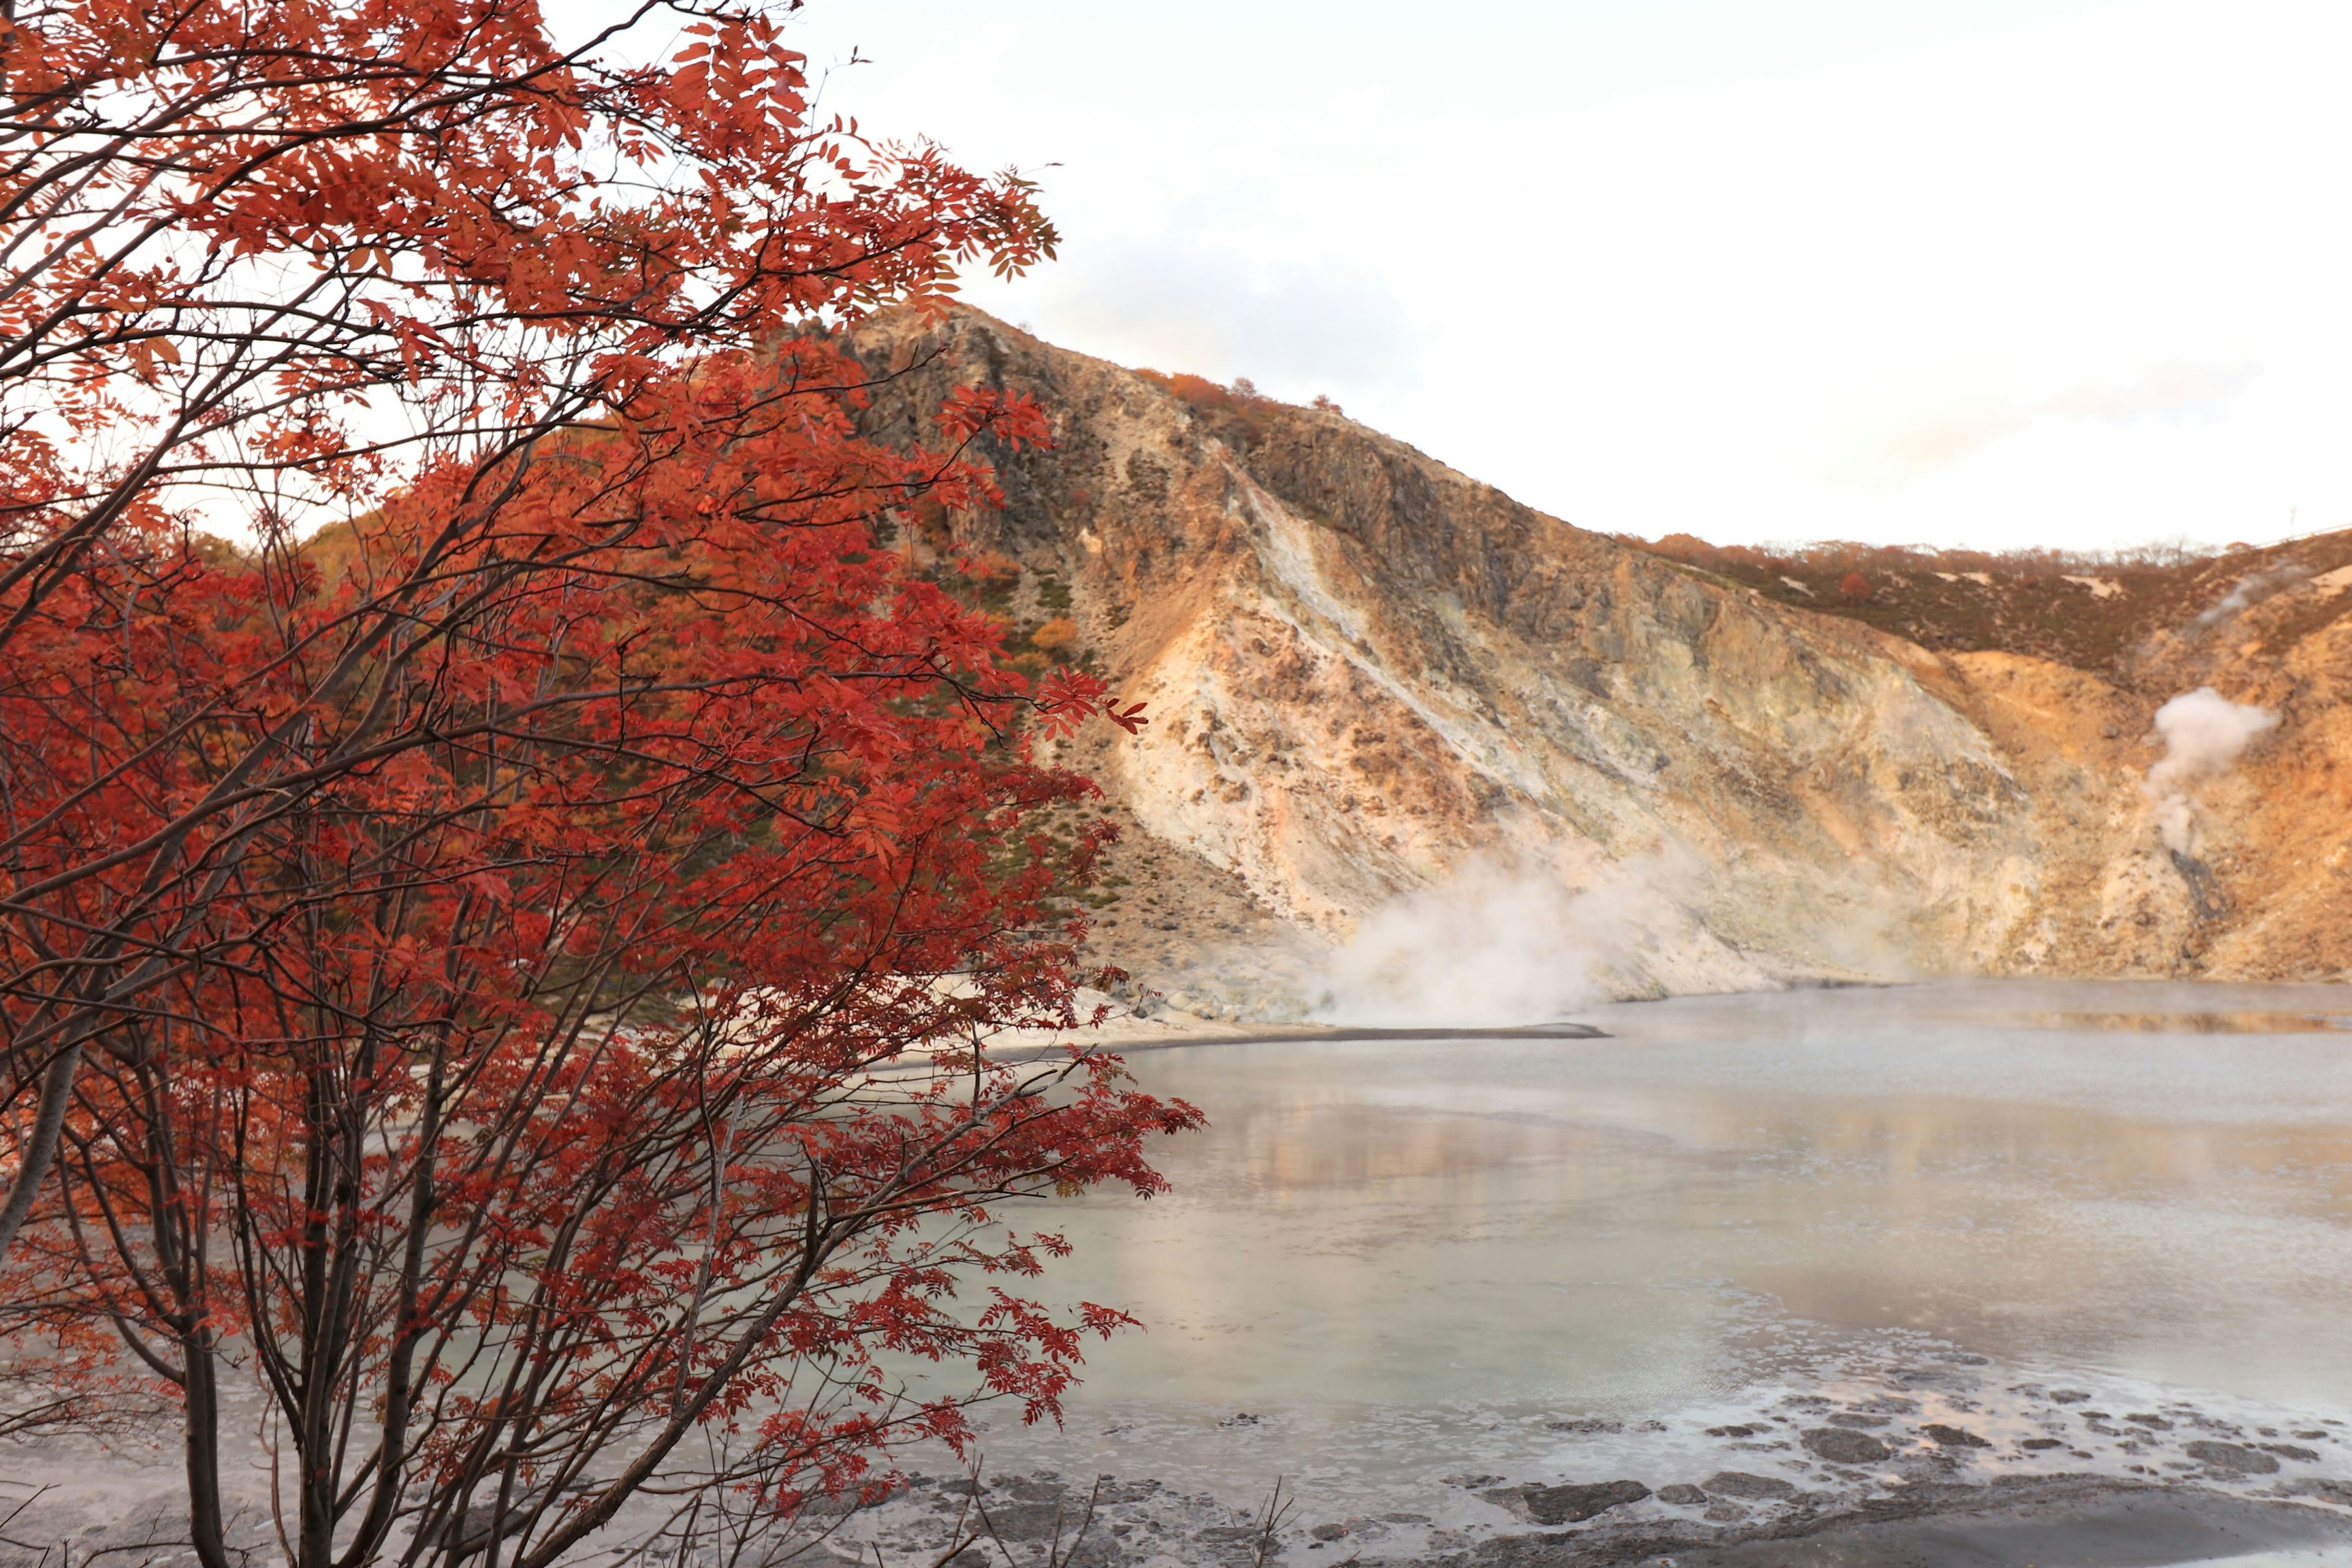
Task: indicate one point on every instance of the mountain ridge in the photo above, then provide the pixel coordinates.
(1372, 679)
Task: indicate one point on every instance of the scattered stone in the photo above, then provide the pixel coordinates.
(2290, 1451)
(2068, 1396)
(2152, 1422)
(2235, 1456)
(1328, 1531)
(1244, 1420)
(2314, 1435)
(1850, 1419)
(1724, 1513)
(1573, 1504)
(1682, 1494)
(2038, 1444)
(1591, 1426)
(1841, 1446)
(1470, 1482)
(1405, 1518)
(1736, 1431)
(1031, 1520)
(1740, 1484)
(1923, 1377)
(1953, 1436)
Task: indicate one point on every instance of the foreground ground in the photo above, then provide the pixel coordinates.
(1871, 1480)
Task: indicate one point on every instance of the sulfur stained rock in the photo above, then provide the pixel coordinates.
(1366, 671)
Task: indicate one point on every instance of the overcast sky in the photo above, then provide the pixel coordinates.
(1959, 271)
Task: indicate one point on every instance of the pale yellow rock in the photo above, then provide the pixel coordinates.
(1365, 671)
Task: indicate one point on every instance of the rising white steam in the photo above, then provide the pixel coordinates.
(2204, 736)
(1489, 948)
(2252, 589)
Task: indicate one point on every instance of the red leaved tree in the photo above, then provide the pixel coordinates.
(258, 265)
(512, 968)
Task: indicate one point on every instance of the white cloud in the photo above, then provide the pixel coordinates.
(1295, 327)
(2160, 391)
(1908, 428)
(1620, 260)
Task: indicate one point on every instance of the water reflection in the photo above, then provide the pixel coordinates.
(1634, 1223)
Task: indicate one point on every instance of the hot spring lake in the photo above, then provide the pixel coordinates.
(1820, 1251)
(2001, 1204)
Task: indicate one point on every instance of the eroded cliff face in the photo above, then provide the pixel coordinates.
(1366, 672)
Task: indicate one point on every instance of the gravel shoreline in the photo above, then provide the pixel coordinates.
(1933, 1456)
(1043, 1521)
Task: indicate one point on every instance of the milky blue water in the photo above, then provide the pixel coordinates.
(1389, 1262)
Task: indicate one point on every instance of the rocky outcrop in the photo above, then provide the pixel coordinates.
(1366, 671)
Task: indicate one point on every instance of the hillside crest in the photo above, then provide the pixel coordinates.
(1391, 707)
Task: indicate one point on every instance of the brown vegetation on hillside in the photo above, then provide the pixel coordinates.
(1368, 670)
(2094, 611)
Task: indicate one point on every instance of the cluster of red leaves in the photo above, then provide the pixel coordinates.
(510, 969)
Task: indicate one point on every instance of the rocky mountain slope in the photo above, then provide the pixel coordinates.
(1393, 710)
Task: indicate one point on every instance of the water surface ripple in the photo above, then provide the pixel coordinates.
(1388, 1261)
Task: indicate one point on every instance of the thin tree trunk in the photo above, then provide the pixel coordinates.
(41, 1148)
(202, 1394)
(391, 1445)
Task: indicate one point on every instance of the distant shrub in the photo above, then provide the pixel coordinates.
(1239, 412)
(1055, 635)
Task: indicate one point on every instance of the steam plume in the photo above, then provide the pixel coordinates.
(1489, 948)
(2204, 736)
(2253, 588)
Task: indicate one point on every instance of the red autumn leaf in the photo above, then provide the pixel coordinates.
(502, 944)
